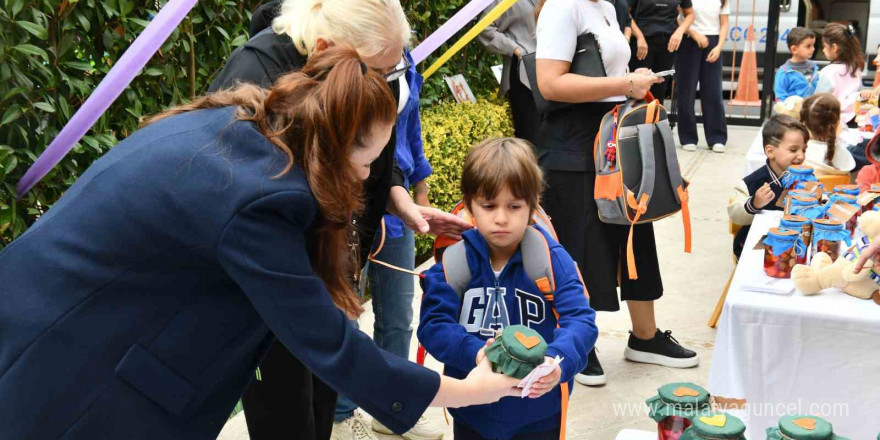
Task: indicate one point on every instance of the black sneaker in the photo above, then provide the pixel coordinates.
(662, 349)
(593, 375)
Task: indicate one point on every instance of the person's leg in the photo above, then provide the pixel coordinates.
(552, 434)
(526, 120)
(712, 100)
(392, 293)
(324, 404)
(663, 60)
(281, 404)
(463, 432)
(687, 65)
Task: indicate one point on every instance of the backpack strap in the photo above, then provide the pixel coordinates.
(456, 269)
(639, 202)
(537, 263)
(676, 180)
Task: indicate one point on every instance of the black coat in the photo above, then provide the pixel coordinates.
(266, 57)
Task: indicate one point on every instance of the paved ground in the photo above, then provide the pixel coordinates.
(693, 283)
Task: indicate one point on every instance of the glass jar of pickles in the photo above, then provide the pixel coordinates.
(851, 209)
(783, 248)
(797, 174)
(828, 236)
(806, 207)
(799, 224)
(868, 199)
(852, 190)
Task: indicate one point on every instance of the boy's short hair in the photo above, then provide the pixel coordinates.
(776, 127)
(797, 35)
(497, 163)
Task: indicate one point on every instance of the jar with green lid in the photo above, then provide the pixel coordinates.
(797, 174)
(715, 426)
(675, 405)
(517, 351)
(802, 428)
(828, 236)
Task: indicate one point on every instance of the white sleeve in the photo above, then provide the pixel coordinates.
(725, 10)
(557, 31)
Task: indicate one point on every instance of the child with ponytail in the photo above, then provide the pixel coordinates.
(825, 153)
(843, 77)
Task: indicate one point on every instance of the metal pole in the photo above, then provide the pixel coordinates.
(770, 57)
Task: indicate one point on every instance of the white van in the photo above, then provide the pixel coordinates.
(864, 15)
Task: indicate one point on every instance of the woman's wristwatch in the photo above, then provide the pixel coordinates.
(421, 189)
(629, 94)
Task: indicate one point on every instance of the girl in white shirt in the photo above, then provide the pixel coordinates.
(699, 62)
(843, 77)
(825, 153)
(565, 151)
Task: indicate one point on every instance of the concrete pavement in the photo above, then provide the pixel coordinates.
(693, 283)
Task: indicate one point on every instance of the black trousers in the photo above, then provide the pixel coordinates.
(462, 432)
(692, 68)
(289, 402)
(526, 120)
(658, 59)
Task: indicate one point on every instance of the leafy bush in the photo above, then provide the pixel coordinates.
(473, 61)
(52, 56)
(449, 131)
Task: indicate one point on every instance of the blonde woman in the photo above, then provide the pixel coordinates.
(379, 31)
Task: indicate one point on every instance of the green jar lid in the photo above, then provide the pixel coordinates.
(715, 426)
(682, 399)
(517, 352)
(800, 427)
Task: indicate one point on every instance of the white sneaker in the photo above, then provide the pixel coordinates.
(718, 148)
(424, 430)
(689, 147)
(352, 428)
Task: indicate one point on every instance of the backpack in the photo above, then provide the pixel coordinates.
(638, 178)
(536, 262)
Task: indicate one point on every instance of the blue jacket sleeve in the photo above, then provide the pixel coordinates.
(421, 168)
(439, 331)
(263, 249)
(780, 86)
(577, 330)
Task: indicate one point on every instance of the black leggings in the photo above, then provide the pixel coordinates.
(289, 402)
(658, 59)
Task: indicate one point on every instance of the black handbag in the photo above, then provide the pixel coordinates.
(587, 61)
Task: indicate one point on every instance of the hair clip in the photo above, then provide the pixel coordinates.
(363, 67)
(849, 31)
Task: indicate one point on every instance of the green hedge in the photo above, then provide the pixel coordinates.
(449, 131)
(54, 53)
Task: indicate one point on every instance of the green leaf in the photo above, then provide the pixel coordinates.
(6, 217)
(222, 32)
(13, 162)
(45, 106)
(83, 21)
(79, 65)
(239, 40)
(30, 49)
(12, 113)
(153, 71)
(35, 29)
(17, 5)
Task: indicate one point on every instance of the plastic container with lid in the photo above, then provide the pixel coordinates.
(851, 222)
(783, 248)
(828, 236)
(715, 426)
(800, 427)
(797, 174)
(801, 225)
(517, 352)
(675, 406)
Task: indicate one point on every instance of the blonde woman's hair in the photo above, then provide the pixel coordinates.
(372, 27)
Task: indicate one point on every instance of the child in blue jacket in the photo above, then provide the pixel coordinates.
(501, 186)
(799, 75)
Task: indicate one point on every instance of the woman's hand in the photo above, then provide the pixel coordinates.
(480, 387)
(675, 41)
(701, 40)
(546, 383)
(641, 84)
(714, 54)
(425, 219)
(868, 253)
(641, 48)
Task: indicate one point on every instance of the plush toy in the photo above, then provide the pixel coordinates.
(822, 273)
(790, 107)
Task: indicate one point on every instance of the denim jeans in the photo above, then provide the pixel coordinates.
(392, 293)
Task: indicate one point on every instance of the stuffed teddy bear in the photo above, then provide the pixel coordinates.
(790, 107)
(822, 273)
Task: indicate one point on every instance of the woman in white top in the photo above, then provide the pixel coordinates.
(565, 149)
(699, 61)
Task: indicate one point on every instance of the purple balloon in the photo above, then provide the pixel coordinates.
(120, 76)
(445, 32)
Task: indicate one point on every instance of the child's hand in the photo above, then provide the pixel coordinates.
(867, 95)
(546, 383)
(763, 196)
(482, 353)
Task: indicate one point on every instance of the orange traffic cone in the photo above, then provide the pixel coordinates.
(747, 85)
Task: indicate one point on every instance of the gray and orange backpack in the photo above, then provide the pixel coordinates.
(638, 178)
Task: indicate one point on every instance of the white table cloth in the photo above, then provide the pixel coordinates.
(789, 354)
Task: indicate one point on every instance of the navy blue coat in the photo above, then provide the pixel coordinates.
(141, 303)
